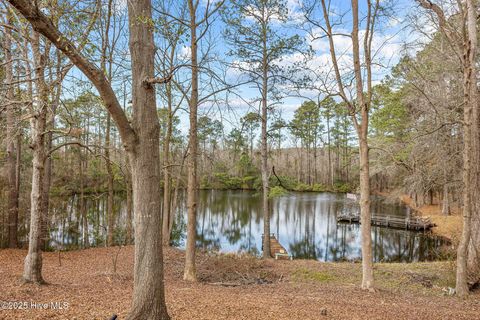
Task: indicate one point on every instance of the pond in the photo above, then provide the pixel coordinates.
(231, 221)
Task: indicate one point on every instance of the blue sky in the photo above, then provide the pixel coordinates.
(389, 41)
(389, 45)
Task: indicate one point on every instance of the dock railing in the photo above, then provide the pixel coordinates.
(408, 223)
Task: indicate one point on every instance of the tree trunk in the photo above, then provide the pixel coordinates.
(148, 289)
(50, 125)
(46, 188)
(362, 131)
(190, 273)
(467, 255)
(12, 142)
(251, 143)
(473, 261)
(18, 164)
(107, 57)
(129, 200)
(445, 201)
(83, 209)
(330, 169)
(166, 197)
(309, 163)
(33, 261)
(264, 151)
(167, 169)
(315, 174)
(173, 208)
(365, 216)
(110, 213)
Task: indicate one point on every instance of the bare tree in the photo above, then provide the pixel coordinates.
(168, 52)
(110, 29)
(465, 47)
(107, 57)
(195, 24)
(13, 177)
(38, 124)
(358, 108)
(140, 139)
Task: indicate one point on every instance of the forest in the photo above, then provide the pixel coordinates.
(239, 159)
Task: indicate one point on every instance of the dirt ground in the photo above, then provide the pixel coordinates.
(233, 287)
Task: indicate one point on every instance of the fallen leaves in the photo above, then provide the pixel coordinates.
(229, 287)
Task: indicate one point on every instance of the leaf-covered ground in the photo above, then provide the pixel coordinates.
(449, 226)
(233, 287)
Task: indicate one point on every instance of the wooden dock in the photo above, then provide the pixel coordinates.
(409, 223)
(277, 250)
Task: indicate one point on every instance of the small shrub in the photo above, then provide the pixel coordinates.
(248, 182)
(302, 187)
(319, 188)
(277, 191)
(342, 187)
(286, 182)
(204, 184)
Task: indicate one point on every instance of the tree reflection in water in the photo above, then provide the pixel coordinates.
(231, 221)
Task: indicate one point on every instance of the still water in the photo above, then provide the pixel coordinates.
(231, 221)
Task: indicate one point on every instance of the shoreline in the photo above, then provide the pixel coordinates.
(449, 227)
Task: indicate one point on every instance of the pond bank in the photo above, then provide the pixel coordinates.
(449, 227)
(236, 287)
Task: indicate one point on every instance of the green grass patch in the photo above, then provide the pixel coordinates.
(426, 278)
(303, 274)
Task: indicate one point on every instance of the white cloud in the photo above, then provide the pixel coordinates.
(393, 22)
(294, 13)
(185, 52)
(319, 41)
(385, 47)
(120, 6)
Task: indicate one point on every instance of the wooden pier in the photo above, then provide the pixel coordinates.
(408, 223)
(277, 250)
